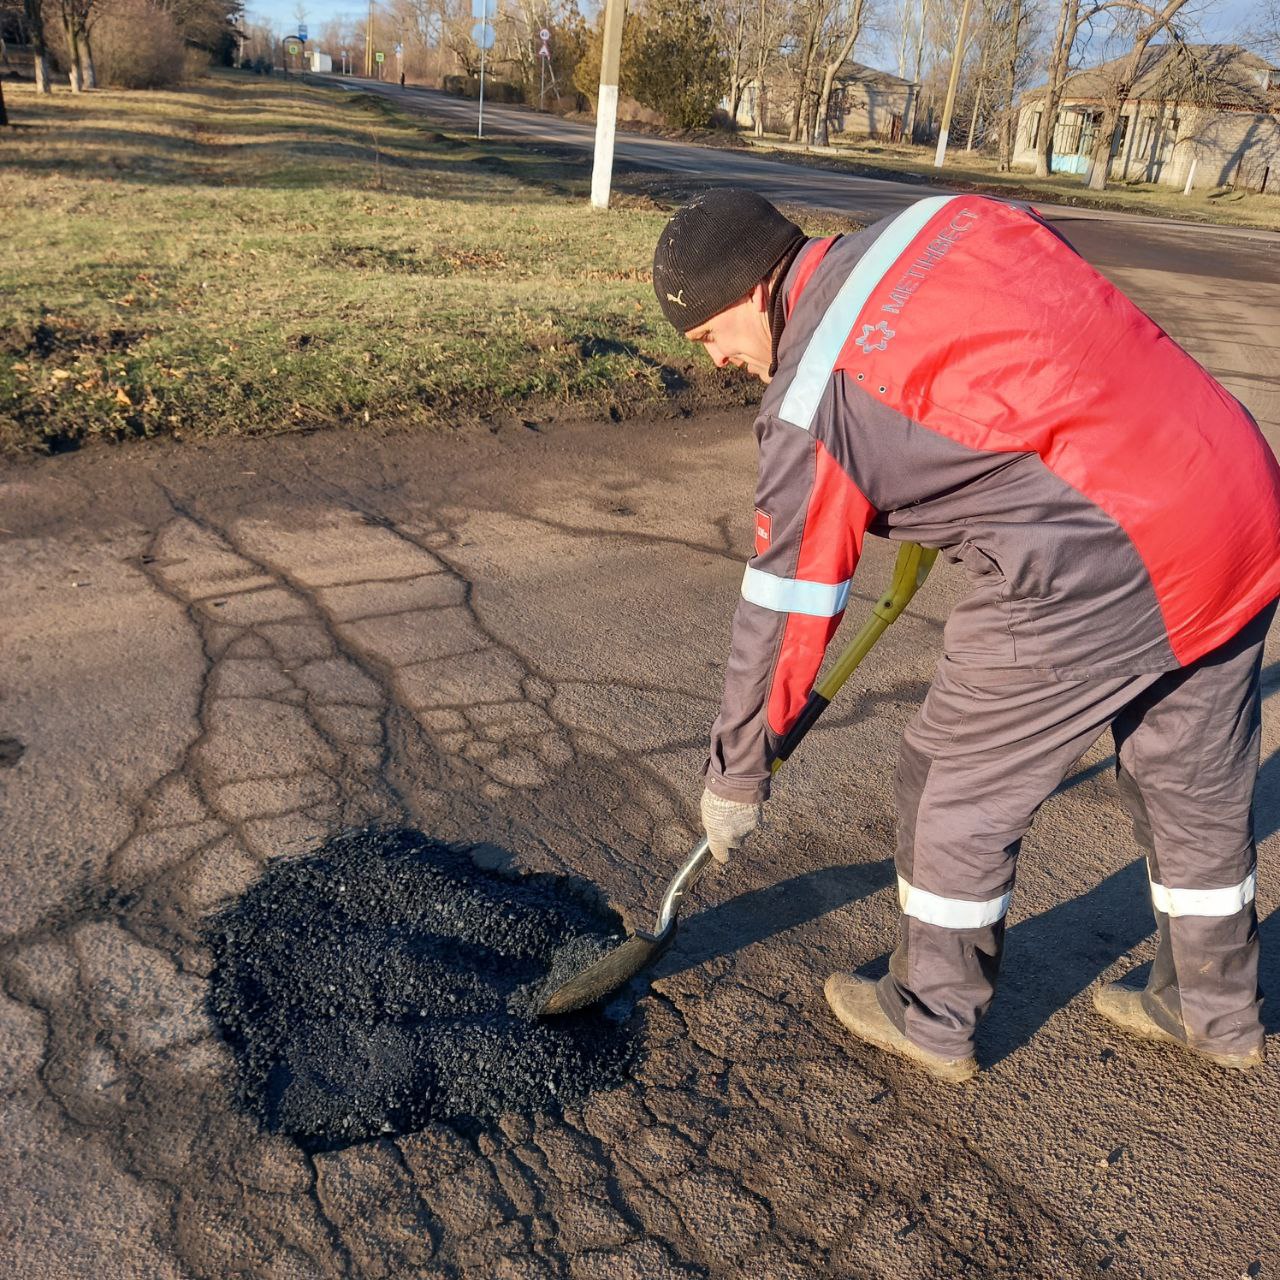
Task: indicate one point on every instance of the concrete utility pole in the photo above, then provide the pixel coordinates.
(956, 59)
(368, 44)
(607, 106)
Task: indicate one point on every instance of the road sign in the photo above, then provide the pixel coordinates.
(399, 50)
(544, 35)
(544, 52)
(379, 57)
(482, 9)
(302, 32)
(482, 34)
(293, 49)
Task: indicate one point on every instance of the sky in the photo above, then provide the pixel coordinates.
(1223, 20)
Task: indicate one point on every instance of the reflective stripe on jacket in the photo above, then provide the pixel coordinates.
(958, 376)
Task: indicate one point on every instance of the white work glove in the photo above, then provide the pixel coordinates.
(728, 823)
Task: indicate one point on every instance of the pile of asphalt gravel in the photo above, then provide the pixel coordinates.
(387, 981)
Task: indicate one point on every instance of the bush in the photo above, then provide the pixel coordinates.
(137, 45)
(679, 68)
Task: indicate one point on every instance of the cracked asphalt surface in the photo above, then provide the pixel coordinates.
(217, 655)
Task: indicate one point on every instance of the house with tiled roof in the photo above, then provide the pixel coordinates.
(1209, 113)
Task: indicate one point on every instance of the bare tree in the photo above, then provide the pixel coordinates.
(1150, 22)
(40, 50)
(810, 18)
(1264, 32)
(990, 92)
(1009, 125)
(737, 19)
(922, 25)
(769, 20)
(75, 15)
(88, 66)
(988, 35)
(845, 28)
(1069, 20)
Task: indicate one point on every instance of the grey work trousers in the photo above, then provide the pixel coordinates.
(984, 752)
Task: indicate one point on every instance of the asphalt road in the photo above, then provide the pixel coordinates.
(865, 199)
(218, 654)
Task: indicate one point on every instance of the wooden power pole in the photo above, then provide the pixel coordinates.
(957, 59)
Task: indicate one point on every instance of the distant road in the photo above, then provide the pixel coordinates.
(1211, 287)
(865, 199)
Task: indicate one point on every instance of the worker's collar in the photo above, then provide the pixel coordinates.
(805, 258)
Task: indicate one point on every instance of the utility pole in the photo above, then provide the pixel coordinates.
(368, 44)
(956, 59)
(607, 106)
(482, 33)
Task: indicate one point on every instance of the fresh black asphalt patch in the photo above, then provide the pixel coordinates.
(386, 981)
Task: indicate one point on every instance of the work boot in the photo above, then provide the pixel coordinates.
(854, 1001)
(1121, 1004)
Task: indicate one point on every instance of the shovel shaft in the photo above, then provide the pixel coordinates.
(681, 883)
(621, 964)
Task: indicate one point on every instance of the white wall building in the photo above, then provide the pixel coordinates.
(1216, 107)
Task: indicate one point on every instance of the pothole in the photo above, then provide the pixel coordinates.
(381, 983)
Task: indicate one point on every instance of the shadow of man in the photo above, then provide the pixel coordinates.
(763, 913)
(1051, 958)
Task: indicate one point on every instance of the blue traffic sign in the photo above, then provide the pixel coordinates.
(482, 34)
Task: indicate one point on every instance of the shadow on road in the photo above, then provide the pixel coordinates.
(762, 913)
(1051, 958)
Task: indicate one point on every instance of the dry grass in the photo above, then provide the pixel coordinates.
(250, 255)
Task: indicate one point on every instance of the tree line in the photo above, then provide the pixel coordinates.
(765, 65)
(123, 43)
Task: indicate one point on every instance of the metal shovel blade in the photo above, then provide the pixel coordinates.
(613, 970)
(620, 965)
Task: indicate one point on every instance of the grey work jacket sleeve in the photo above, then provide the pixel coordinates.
(810, 519)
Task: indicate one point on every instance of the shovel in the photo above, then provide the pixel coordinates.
(638, 952)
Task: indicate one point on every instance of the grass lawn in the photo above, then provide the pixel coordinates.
(255, 255)
(976, 172)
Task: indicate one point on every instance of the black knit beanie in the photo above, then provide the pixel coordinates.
(715, 250)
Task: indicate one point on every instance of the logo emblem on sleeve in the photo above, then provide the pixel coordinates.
(764, 531)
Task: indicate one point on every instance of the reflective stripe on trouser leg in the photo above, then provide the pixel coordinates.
(1188, 752)
(1227, 943)
(942, 974)
(976, 763)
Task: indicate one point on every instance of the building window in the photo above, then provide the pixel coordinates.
(1145, 135)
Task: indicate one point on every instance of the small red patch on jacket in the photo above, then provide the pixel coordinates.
(764, 531)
